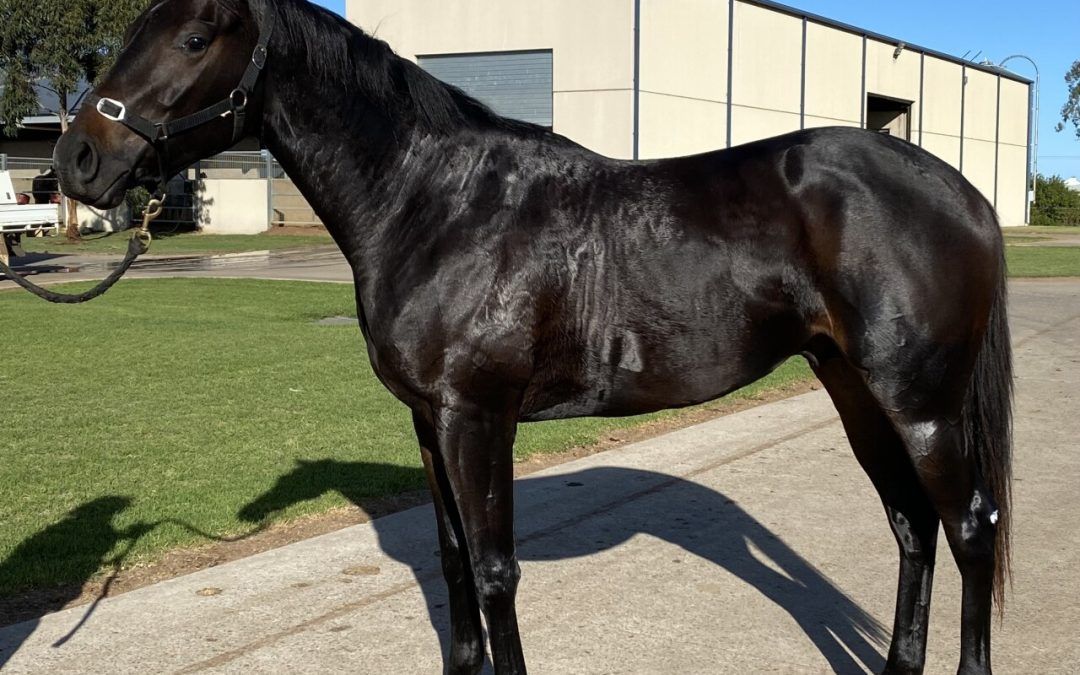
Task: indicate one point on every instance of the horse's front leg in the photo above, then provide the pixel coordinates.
(466, 634)
(475, 446)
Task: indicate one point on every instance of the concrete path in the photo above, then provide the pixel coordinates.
(751, 543)
(1021, 236)
(320, 263)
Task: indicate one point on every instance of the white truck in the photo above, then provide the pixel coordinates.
(17, 219)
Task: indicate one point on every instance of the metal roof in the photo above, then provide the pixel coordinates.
(839, 25)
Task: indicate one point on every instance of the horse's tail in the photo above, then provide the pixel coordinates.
(987, 424)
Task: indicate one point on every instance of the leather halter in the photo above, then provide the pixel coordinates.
(235, 104)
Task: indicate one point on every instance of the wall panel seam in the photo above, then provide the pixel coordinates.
(689, 98)
(802, 79)
(922, 90)
(730, 69)
(862, 92)
(997, 138)
(963, 101)
(637, 78)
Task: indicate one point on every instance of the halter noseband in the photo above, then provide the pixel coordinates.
(235, 104)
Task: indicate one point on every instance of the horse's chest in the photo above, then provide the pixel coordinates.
(436, 358)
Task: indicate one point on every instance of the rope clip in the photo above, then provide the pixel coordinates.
(153, 209)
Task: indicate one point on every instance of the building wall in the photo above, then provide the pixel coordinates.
(896, 78)
(980, 129)
(833, 77)
(1012, 150)
(231, 206)
(683, 86)
(593, 53)
(38, 148)
(766, 73)
(683, 77)
(941, 105)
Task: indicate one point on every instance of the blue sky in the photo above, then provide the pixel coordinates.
(1045, 31)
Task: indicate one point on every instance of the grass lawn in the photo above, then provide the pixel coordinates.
(183, 400)
(1043, 261)
(176, 244)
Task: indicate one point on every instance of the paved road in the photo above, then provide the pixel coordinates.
(750, 543)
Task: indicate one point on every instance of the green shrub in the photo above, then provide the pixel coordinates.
(1055, 203)
(137, 198)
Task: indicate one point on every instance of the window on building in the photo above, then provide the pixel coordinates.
(888, 116)
(513, 84)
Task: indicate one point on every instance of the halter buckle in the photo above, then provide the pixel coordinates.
(258, 56)
(118, 113)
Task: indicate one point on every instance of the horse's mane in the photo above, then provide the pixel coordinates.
(345, 57)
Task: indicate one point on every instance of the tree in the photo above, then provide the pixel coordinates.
(1070, 112)
(52, 47)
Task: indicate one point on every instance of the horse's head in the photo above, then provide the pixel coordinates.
(180, 57)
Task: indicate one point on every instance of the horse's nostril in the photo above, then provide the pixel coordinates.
(86, 162)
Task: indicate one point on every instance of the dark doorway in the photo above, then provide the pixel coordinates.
(888, 116)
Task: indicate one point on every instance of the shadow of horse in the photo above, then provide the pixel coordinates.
(624, 503)
(81, 543)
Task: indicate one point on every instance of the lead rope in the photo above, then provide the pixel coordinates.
(137, 245)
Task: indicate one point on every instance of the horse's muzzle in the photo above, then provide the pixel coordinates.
(88, 174)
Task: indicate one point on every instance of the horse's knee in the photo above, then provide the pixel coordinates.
(496, 579)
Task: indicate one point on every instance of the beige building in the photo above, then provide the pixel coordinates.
(656, 78)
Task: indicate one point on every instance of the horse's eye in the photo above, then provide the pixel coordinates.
(196, 43)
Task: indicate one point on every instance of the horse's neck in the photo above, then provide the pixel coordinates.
(343, 167)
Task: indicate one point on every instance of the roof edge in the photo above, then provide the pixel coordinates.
(849, 28)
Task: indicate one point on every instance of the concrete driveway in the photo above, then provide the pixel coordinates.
(751, 543)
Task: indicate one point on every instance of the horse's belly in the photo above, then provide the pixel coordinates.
(621, 372)
(629, 392)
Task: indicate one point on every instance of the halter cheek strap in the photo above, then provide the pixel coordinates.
(235, 104)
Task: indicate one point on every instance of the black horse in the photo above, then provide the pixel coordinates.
(46, 187)
(505, 274)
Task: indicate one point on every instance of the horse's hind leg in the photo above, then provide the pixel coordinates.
(969, 516)
(911, 516)
(466, 634)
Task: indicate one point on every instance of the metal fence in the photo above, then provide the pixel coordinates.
(285, 206)
(24, 170)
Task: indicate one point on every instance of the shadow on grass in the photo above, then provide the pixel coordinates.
(621, 503)
(81, 544)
